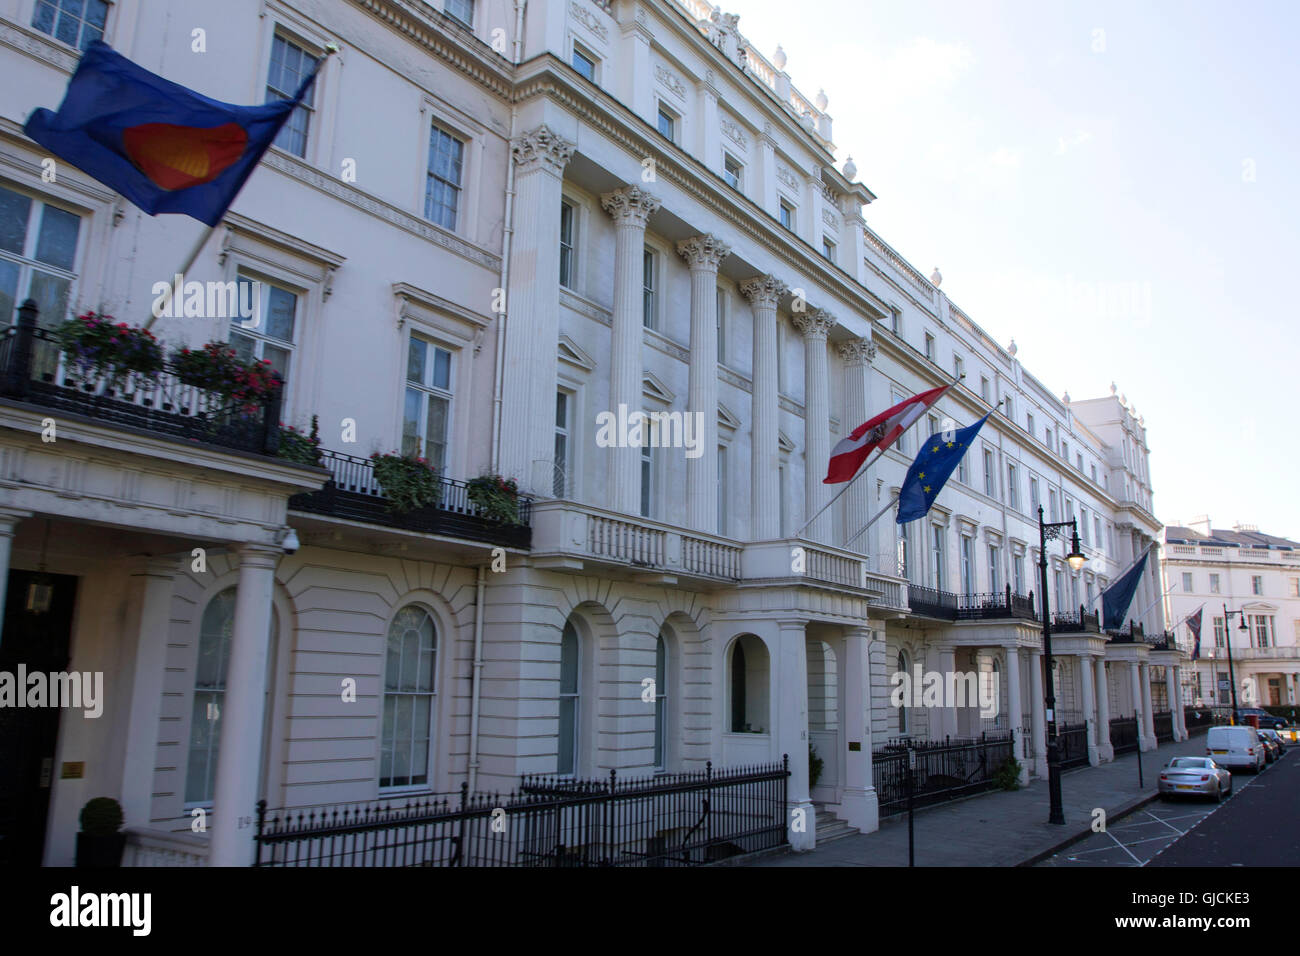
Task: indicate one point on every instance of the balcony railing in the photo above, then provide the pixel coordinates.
(355, 494)
(1130, 633)
(1079, 621)
(947, 606)
(34, 369)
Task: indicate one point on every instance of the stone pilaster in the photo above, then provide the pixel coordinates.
(703, 254)
(816, 325)
(857, 354)
(631, 208)
(764, 292)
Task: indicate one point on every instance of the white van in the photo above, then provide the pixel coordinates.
(1235, 748)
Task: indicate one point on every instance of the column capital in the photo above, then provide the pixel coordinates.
(630, 205)
(764, 290)
(9, 520)
(858, 353)
(541, 148)
(815, 324)
(703, 252)
(258, 555)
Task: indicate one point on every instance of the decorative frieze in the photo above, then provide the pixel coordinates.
(783, 173)
(587, 17)
(733, 132)
(670, 81)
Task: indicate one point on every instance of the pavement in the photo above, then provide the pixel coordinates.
(1002, 828)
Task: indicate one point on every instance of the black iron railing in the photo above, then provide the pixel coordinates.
(1199, 719)
(1164, 724)
(1076, 621)
(356, 494)
(1129, 633)
(33, 368)
(930, 602)
(682, 819)
(1163, 641)
(945, 769)
(1124, 734)
(998, 604)
(1072, 742)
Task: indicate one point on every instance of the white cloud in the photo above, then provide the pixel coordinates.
(925, 65)
(1066, 143)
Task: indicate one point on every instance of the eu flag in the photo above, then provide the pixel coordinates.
(1115, 600)
(932, 468)
(159, 144)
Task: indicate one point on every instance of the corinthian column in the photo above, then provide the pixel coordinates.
(527, 443)
(858, 354)
(763, 293)
(703, 254)
(631, 207)
(815, 326)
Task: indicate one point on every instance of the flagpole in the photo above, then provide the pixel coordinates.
(165, 304)
(848, 484)
(874, 518)
(1101, 592)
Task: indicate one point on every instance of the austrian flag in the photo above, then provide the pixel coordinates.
(880, 432)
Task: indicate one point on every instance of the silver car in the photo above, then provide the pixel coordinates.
(1194, 776)
(1276, 738)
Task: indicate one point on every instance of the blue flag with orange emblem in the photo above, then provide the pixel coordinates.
(159, 144)
(932, 468)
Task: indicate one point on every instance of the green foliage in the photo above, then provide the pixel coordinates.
(408, 481)
(304, 449)
(496, 497)
(1007, 776)
(101, 816)
(815, 765)
(93, 343)
(217, 368)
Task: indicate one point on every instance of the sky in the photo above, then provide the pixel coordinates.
(1112, 184)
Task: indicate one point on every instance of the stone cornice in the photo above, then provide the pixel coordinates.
(703, 252)
(543, 76)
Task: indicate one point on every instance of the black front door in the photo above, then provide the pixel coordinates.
(37, 643)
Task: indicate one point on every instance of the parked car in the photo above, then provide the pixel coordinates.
(1266, 720)
(1194, 776)
(1271, 749)
(1237, 748)
(1277, 738)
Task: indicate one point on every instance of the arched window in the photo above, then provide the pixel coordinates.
(749, 678)
(408, 698)
(209, 696)
(661, 701)
(568, 750)
(902, 710)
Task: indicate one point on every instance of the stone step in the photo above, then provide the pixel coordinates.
(831, 828)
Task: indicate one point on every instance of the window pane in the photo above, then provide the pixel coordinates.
(441, 368)
(14, 210)
(281, 307)
(415, 360)
(8, 292)
(44, 17)
(97, 13)
(411, 423)
(279, 359)
(435, 445)
(51, 295)
(245, 346)
(569, 660)
(68, 26)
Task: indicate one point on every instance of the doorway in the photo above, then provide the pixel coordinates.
(32, 642)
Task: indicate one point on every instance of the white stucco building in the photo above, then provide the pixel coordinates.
(1245, 571)
(492, 223)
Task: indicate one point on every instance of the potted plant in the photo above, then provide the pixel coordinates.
(302, 448)
(101, 842)
(1007, 776)
(815, 766)
(408, 481)
(94, 345)
(496, 497)
(216, 367)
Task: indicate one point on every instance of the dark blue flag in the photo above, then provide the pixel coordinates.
(932, 468)
(159, 144)
(1116, 599)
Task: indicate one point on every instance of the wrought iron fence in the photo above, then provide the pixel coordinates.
(1080, 620)
(33, 368)
(1199, 719)
(1072, 744)
(353, 492)
(1124, 734)
(945, 769)
(1164, 724)
(683, 819)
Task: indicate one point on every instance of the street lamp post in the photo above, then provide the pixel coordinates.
(1050, 531)
(1227, 640)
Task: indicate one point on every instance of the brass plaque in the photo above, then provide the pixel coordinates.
(73, 770)
(855, 745)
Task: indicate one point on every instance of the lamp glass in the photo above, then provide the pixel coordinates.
(1076, 560)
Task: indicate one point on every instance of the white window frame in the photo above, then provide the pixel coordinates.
(581, 52)
(564, 434)
(238, 326)
(930, 349)
(425, 390)
(28, 19)
(468, 24)
(732, 160)
(569, 281)
(787, 214)
(829, 248)
(723, 516)
(723, 300)
(665, 112)
(432, 694)
(651, 281)
(430, 175)
(26, 260)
